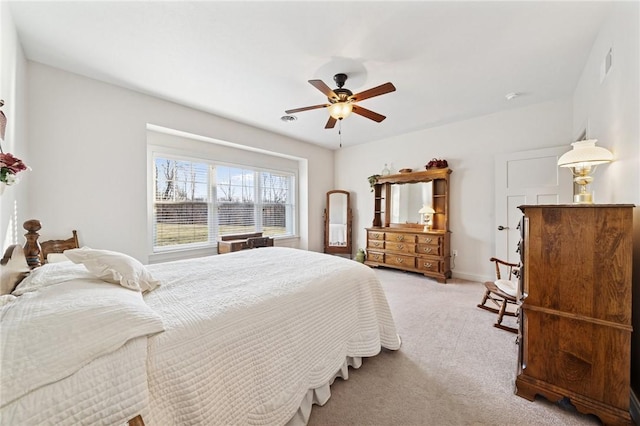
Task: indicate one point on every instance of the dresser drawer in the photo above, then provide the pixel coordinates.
(375, 256)
(426, 264)
(400, 238)
(430, 239)
(376, 244)
(402, 247)
(428, 249)
(375, 235)
(400, 260)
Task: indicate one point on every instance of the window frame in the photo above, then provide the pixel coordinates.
(293, 193)
(209, 247)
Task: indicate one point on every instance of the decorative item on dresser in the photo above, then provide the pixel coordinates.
(394, 241)
(583, 160)
(575, 324)
(436, 163)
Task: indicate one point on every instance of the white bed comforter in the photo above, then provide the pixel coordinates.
(249, 337)
(248, 334)
(108, 391)
(73, 351)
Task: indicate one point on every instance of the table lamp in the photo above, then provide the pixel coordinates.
(428, 212)
(583, 159)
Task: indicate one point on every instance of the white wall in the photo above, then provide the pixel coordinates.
(89, 155)
(610, 110)
(469, 147)
(13, 201)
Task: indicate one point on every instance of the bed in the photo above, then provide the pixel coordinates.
(251, 337)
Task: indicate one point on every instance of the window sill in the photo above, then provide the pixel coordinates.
(178, 254)
(293, 242)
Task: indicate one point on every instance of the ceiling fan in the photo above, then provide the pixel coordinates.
(342, 101)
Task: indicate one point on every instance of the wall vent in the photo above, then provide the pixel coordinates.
(607, 63)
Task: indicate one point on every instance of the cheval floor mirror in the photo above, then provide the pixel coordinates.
(337, 223)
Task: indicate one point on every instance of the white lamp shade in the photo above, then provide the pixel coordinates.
(585, 153)
(340, 110)
(426, 210)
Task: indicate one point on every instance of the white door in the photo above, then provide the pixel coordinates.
(527, 177)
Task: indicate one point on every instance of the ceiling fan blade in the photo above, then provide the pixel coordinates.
(319, 84)
(376, 91)
(330, 123)
(368, 113)
(291, 111)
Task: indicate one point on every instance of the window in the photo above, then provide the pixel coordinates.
(197, 201)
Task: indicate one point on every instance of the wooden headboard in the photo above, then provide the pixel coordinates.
(35, 252)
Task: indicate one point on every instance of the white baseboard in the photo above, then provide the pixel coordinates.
(635, 407)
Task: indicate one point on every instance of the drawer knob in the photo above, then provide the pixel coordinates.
(400, 237)
(400, 246)
(428, 265)
(399, 259)
(428, 240)
(376, 243)
(428, 249)
(376, 235)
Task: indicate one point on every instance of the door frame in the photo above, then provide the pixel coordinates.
(564, 192)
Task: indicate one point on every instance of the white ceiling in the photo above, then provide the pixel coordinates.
(250, 61)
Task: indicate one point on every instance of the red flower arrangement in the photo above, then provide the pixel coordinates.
(10, 166)
(437, 163)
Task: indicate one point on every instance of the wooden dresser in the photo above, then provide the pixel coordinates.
(575, 320)
(406, 245)
(410, 250)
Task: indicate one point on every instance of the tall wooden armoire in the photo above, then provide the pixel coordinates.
(575, 320)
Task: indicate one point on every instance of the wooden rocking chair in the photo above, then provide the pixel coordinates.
(502, 292)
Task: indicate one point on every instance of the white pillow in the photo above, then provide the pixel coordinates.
(509, 287)
(56, 257)
(6, 298)
(114, 267)
(51, 274)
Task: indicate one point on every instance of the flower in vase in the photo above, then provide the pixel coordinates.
(10, 166)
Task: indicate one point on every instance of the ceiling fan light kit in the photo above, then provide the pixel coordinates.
(340, 110)
(342, 102)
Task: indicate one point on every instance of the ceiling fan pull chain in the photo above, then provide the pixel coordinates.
(340, 131)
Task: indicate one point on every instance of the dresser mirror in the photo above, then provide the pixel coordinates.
(408, 199)
(337, 223)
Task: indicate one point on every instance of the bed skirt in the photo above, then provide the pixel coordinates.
(320, 395)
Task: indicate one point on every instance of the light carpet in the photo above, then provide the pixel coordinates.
(454, 367)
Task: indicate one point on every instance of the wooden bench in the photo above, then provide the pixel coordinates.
(238, 242)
